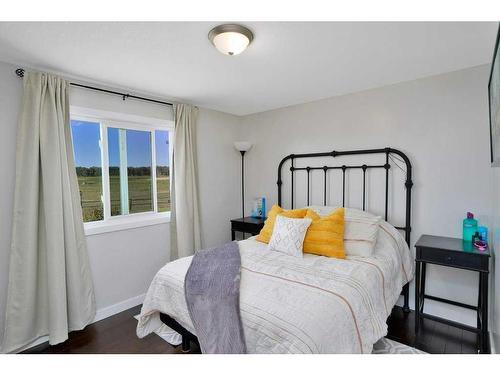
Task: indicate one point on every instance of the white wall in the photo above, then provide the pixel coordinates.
(10, 102)
(495, 276)
(123, 263)
(219, 175)
(440, 122)
(106, 102)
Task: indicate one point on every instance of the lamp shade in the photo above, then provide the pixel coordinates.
(242, 146)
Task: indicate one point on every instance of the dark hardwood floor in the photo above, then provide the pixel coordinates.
(434, 337)
(116, 334)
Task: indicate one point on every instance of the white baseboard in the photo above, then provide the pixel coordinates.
(108, 311)
(100, 314)
(494, 340)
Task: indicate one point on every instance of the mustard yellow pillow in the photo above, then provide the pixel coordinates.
(267, 230)
(325, 235)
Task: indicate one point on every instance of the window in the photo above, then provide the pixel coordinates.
(130, 177)
(162, 170)
(123, 168)
(86, 140)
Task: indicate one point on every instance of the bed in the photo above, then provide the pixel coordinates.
(312, 304)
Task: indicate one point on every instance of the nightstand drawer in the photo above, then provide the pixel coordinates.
(453, 259)
(246, 227)
(251, 225)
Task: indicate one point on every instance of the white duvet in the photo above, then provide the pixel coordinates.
(312, 304)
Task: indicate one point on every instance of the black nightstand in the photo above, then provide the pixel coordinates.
(250, 225)
(453, 252)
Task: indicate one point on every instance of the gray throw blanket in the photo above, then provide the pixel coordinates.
(212, 289)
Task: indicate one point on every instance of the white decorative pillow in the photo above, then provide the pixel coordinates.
(288, 235)
(323, 210)
(360, 230)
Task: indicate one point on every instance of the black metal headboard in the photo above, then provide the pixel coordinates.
(363, 167)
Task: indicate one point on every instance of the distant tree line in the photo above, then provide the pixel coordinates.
(88, 172)
(161, 170)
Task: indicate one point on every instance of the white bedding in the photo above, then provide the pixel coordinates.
(299, 305)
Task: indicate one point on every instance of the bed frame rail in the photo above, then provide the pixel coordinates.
(187, 337)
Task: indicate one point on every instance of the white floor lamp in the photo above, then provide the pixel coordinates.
(242, 147)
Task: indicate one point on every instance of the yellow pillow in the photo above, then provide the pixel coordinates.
(325, 235)
(267, 230)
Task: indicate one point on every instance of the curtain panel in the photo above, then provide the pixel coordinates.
(50, 289)
(185, 234)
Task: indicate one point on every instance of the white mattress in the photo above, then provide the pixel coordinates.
(299, 305)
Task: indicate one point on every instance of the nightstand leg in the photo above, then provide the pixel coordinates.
(484, 311)
(406, 294)
(417, 297)
(422, 287)
(479, 301)
(233, 235)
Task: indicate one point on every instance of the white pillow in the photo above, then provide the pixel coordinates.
(322, 210)
(288, 235)
(360, 230)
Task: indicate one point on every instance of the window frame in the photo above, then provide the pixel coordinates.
(107, 120)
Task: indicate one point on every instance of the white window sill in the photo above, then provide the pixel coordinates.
(126, 222)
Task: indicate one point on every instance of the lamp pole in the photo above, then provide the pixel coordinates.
(242, 183)
(242, 147)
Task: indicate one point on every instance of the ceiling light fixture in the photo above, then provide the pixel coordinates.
(230, 39)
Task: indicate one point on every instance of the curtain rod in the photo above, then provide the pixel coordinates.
(20, 73)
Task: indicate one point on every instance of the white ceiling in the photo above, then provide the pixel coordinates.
(287, 63)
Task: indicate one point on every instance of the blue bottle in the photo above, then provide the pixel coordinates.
(483, 233)
(469, 227)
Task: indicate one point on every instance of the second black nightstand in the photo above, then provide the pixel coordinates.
(251, 225)
(453, 252)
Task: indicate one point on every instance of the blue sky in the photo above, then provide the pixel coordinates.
(87, 152)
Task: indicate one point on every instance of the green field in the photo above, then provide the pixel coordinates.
(140, 196)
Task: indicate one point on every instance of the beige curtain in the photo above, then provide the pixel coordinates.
(185, 237)
(50, 288)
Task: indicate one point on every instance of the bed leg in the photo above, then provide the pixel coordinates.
(186, 344)
(406, 295)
